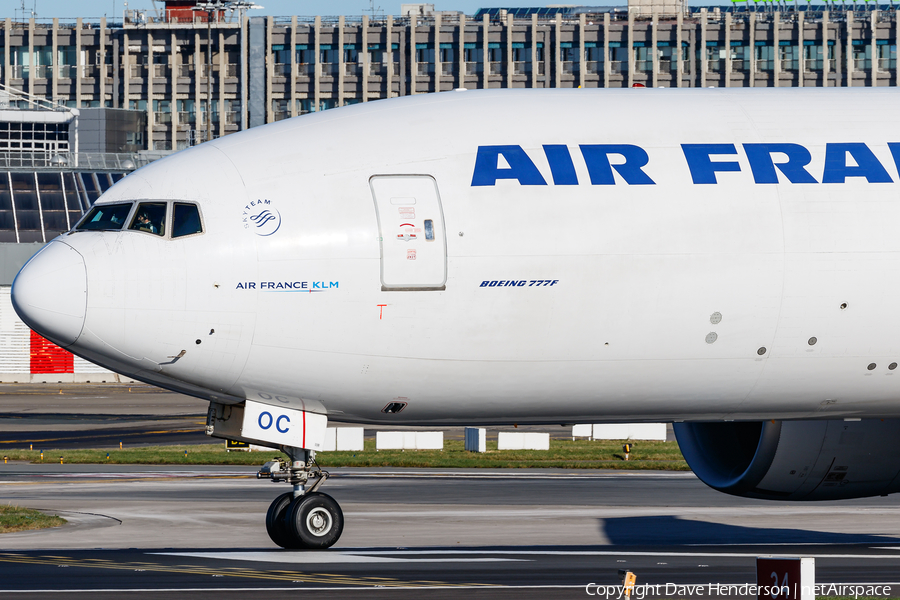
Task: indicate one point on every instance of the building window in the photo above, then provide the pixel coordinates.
(186, 112)
(232, 112)
(789, 58)
(424, 59)
(643, 60)
(862, 57)
(281, 108)
(495, 59)
(765, 58)
(474, 59)
(715, 58)
(740, 59)
(887, 56)
(281, 55)
(618, 60)
(205, 108)
(162, 112)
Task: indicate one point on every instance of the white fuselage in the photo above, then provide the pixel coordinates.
(664, 300)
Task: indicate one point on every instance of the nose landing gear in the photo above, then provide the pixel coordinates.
(301, 519)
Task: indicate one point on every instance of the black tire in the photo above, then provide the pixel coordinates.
(315, 520)
(276, 522)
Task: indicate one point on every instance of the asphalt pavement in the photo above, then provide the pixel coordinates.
(198, 532)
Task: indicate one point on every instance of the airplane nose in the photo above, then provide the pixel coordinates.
(50, 293)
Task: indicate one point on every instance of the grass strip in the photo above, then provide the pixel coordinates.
(16, 518)
(563, 454)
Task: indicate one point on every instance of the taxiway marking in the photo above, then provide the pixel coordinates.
(628, 553)
(292, 576)
(332, 557)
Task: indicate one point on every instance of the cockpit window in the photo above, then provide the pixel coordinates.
(105, 217)
(150, 217)
(185, 220)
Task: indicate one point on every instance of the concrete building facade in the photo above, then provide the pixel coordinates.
(198, 79)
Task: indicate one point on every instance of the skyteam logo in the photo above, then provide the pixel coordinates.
(261, 217)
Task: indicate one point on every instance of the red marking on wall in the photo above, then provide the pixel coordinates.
(47, 357)
(381, 310)
(303, 445)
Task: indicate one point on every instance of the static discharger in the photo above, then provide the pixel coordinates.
(627, 449)
(628, 581)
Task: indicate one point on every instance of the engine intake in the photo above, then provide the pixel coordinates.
(795, 460)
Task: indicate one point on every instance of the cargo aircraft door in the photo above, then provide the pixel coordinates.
(411, 232)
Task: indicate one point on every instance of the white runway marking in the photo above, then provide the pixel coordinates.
(323, 558)
(426, 556)
(146, 475)
(363, 588)
(375, 474)
(617, 553)
(526, 475)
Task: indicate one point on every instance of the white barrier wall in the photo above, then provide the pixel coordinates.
(476, 439)
(582, 430)
(409, 440)
(509, 440)
(430, 440)
(389, 440)
(630, 431)
(350, 438)
(344, 438)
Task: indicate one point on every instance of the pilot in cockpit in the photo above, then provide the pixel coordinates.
(145, 224)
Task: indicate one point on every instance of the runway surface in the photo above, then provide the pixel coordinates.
(191, 532)
(67, 416)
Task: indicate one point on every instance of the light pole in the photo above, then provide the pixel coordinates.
(216, 7)
(210, 7)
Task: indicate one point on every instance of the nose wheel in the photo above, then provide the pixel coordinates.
(302, 519)
(315, 520)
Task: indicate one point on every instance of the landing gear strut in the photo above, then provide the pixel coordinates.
(301, 519)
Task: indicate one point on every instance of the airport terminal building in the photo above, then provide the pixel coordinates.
(197, 75)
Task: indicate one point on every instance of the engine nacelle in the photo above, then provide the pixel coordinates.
(795, 460)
